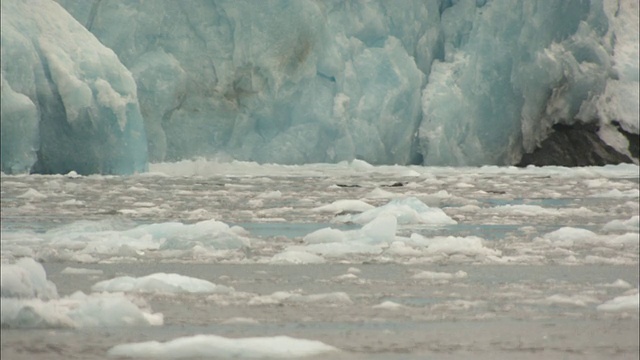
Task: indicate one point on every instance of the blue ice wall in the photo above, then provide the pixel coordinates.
(67, 101)
(434, 82)
(270, 81)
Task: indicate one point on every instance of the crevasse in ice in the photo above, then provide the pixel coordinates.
(438, 82)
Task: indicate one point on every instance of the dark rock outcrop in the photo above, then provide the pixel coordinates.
(634, 140)
(577, 145)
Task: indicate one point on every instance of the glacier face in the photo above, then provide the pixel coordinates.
(434, 82)
(273, 81)
(68, 104)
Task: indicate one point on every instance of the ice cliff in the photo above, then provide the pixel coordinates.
(441, 82)
(67, 101)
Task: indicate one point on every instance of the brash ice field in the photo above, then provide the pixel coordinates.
(201, 259)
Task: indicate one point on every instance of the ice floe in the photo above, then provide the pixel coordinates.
(631, 224)
(160, 283)
(622, 303)
(345, 206)
(280, 347)
(80, 271)
(297, 257)
(280, 297)
(29, 300)
(407, 210)
(432, 275)
(26, 279)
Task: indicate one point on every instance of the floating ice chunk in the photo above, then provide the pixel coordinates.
(346, 277)
(615, 193)
(280, 297)
(469, 208)
(95, 240)
(198, 214)
(276, 298)
(325, 235)
(160, 282)
(457, 305)
(430, 275)
(26, 279)
(77, 310)
(210, 233)
(407, 210)
(109, 310)
(276, 194)
(388, 305)
(619, 283)
(600, 260)
(625, 239)
(359, 165)
(73, 175)
(536, 210)
(572, 300)
(624, 225)
(197, 346)
(622, 303)
(399, 248)
(80, 271)
(337, 297)
(143, 204)
(525, 210)
(256, 203)
(297, 257)
(570, 236)
(138, 189)
(451, 245)
(378, 193)
(368, 240)
(570, 233)
(32, 194)
(241, 320)
(381, 229)
(442, 194)
(72, 202)
(345, 206)
(34, 313)
(340, 249)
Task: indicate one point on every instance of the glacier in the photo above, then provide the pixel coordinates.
(68, 103)
(107, 86)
